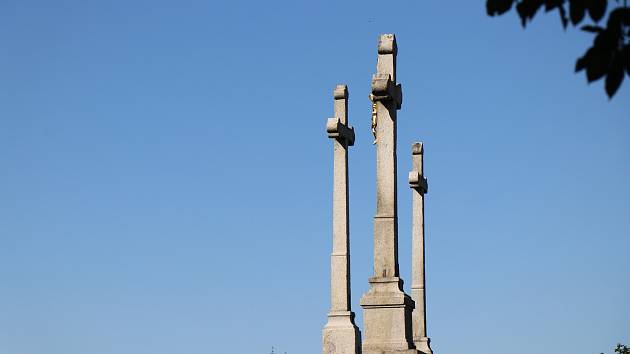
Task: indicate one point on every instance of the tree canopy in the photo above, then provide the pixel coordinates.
(609, 55)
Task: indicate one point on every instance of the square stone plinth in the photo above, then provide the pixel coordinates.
(387, 318)
(341, 335)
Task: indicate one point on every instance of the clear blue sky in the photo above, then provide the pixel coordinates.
(166, 176)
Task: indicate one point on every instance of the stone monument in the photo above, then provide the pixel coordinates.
(340, 335)
(394, 322)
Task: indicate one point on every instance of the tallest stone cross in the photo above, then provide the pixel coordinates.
(387, 309)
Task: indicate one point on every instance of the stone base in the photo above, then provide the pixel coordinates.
(387, 318)
(408, 351)
(340, 334)
(423, 345)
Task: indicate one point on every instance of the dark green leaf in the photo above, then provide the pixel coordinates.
(498, 7)
(552, 4)
(491, 7)
(625, 54)
(593, 29)
(615, 75)
(580, 64)
(606, 40)
(527, 9)
(619, 16)
(597, 64)
(520, 9)
(504, 6)
(596, 9)
(563, 16)
(576, 11)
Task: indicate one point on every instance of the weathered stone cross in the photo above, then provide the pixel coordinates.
(387, 309)
(419, 187)
(340, 334)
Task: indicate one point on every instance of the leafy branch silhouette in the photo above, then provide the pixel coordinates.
(609, 56)
(621, 349)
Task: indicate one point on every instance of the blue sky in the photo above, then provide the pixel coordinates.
(166, 183)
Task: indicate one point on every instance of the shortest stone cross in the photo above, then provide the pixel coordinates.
(419, 187)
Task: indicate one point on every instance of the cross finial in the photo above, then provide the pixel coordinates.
(340, 95)
(387, 51)
(384, 86)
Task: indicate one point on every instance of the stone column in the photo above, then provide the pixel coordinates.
(419, 187)
(387, 309)
(340, 335)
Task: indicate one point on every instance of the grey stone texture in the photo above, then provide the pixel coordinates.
(419, 186)
(394, 322)
(387, 309)
(340, 334)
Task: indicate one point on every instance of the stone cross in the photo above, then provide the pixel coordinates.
(387, 309)
(340, 335)
(419, 187)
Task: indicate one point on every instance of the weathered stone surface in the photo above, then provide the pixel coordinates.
(340, 334)
(419, 186)
(387, 309)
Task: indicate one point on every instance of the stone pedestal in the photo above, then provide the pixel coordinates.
(387, 317)
(341, 335)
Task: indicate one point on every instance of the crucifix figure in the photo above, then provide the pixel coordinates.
(340, 335)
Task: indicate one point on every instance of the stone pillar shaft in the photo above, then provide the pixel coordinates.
(340, 258)
(385, 220)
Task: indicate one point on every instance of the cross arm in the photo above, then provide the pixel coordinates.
(417, 181)
(340, 131)
(384, 89)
